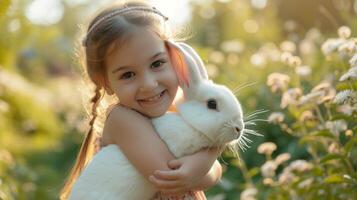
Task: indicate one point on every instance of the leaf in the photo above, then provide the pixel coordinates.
(306, 139)
(350, 144)
(334, 178)
(315, 136)
(341, 116)
(323, 133)
(254, 171)
(331, 157)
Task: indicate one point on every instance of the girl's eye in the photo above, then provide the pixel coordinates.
(127, 75)
(158, 63)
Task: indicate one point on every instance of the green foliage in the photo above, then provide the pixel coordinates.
(312, 154)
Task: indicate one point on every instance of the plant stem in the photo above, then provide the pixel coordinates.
(244, 169)
(318, 111)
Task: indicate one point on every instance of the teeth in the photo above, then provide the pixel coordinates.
(153, 98)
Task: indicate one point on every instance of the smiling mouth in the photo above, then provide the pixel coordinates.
(153, 99)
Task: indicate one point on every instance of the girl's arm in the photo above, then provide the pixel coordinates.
(137, 139)
(198, 171)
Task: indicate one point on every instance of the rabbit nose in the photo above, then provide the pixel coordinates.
(237, 130)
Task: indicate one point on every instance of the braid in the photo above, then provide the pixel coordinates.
(86, 150)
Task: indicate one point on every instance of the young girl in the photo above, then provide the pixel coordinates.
(127, 55)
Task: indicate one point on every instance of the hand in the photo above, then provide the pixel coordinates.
(186, 172)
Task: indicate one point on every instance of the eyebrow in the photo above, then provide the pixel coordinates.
(125, 66)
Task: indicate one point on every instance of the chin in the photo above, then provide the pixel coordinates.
(156, 114)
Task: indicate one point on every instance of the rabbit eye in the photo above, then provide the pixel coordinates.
(212, 104)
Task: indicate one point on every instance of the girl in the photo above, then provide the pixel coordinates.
(127, 56)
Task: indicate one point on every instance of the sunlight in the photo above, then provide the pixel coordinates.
(43, 12)
(178, 12)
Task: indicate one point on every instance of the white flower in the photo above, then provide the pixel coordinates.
(311, 97)
(291, 97)
(216, 57)
(268, 169)
(232, 46)
(286, 177)
(285, 56)
(313, 34)
(266, 148)
(212, 70)
(350, 75)
(288, 46)
(276, 117)
(282, 158)
(330, 45)
(348, 47)
(278, 81)
(321, 93)
(353, 61)
(300, 166)
(328, 92)
(349, 133)
(307, 46)
(232, 58)
(306, 183)
(268, 181)
(303, 70)
(307, 115)
(344, 32)
(258, 60)
(347, 109)
(345, 96)
(333, 148)
(249, 194)
(294, 61)
(270, 51)
(336, 126)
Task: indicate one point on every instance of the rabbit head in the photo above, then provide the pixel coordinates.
(210, 108)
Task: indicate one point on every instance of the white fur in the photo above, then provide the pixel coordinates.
(110, 176)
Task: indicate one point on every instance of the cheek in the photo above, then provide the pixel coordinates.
(172, 77)
(124, 92)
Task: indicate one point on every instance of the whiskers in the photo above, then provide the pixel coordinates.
(243, 142)
(244, 85)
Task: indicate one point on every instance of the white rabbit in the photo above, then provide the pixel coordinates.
(208, 115)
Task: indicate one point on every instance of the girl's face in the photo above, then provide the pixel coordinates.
(140, 74)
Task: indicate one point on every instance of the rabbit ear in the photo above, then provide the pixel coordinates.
(197, 59)
(182, 55)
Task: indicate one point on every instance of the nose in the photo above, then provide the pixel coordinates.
(149, 82)
(238, 131)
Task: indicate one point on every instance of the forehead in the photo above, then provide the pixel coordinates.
(139, 46)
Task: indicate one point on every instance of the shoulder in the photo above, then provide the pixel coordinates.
(124, 113)
(123, 121)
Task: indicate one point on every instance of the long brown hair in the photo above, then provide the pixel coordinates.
(113, 30)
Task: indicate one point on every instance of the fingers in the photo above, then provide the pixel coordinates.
(165, 184)
(168, 175)
(174, 164)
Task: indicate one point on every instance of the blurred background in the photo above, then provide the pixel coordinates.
(300, 55)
